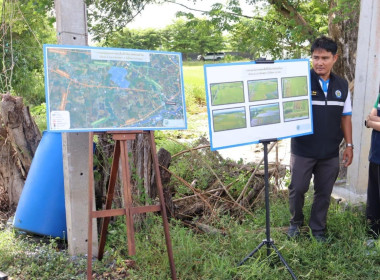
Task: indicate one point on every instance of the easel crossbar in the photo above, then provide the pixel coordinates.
(121, 211)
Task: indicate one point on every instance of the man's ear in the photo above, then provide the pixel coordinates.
(335, 57)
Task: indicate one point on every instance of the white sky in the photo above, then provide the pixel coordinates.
(161, 15)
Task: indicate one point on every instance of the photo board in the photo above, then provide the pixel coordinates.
(107, 89)
(249, 102)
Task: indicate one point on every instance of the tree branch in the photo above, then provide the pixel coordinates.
(289, 11)
(207, 12)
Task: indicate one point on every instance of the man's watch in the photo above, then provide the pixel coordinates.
(350, 145)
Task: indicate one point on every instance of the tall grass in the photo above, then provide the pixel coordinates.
(194, 84)
(209, 256)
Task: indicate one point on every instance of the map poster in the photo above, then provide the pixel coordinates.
(106, 89)
(248, 102)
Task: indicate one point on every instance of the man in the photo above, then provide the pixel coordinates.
(318, 154)
(373, 192)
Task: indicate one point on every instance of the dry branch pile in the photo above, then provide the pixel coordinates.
(199, 185)
(212, 185)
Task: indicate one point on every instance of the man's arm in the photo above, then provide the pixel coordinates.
(373, 121)
(347, 133)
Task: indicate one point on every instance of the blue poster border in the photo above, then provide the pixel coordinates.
(46, 46)
(209, 112)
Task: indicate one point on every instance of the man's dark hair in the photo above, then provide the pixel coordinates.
(325, 43)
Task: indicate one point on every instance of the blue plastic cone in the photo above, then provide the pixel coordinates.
(41, 208)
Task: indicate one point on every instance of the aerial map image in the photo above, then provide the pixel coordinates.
(294, 86)
(227, 93)
(262, 90)
(228, 119)
(296, 110)
(99, 89)
(265, 114)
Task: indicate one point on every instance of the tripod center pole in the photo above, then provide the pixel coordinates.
(266, 180)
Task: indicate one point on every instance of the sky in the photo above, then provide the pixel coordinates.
(161, 15)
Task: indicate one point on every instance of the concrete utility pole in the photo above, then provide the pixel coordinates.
(367, 78)
(72, 30)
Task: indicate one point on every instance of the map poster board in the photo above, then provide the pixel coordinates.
(248, 102)
(106, 89)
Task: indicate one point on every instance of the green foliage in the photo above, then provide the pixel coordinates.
(185, 36)
(146, 39)
(26, 26)
(193, 36)
(39, 115)
(107, 16)
(268, 34)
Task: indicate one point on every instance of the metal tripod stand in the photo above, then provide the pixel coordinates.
(268, 241)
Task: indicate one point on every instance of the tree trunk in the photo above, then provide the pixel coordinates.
(343, 28)
(19, 138)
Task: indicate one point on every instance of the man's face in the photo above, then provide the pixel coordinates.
(323, 61)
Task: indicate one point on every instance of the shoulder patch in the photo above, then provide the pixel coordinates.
(338, 93)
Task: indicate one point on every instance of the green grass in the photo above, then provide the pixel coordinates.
(195, 93)
(209, 256)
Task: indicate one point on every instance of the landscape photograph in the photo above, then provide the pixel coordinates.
(227, 119)
(227, 93)
(294, 86)
(262, 90)
(296, 110)
(264, 114)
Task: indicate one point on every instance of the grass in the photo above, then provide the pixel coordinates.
(194, 83)
(208, 256)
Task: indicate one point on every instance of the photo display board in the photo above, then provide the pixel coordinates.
(106, 89)
(249, 102)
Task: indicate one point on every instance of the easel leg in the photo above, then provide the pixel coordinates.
(110, 193)
(127, 198)
(163, 207)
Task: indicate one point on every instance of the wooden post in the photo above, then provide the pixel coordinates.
(367, 78)
(72, 30)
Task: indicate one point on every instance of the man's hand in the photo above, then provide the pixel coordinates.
(348, 155)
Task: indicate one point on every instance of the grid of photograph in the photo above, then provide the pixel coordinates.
(259, 91)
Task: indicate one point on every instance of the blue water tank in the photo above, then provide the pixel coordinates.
(41, 208)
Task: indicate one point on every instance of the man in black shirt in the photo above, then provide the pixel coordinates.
(318, 154)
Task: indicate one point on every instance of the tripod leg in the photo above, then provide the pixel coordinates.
(284, 262)
(252, 253)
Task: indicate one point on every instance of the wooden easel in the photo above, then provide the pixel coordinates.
(121, 152)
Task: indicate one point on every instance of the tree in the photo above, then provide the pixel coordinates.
(107, 16)
(25, 27)
(193, 36)
(148, 39)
